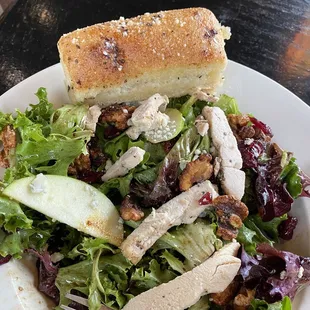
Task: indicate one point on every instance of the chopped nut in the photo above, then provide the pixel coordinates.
(8, 138)
(117, 115)
(243, 300)
(238, 120)
(240, 127)
(260, 135)
(246, 132)
(225, 297)
(195, 171)
(80, 164)
(231, 212)
(130, 211)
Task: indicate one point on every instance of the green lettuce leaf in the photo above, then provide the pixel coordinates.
(121, 184)
(12, 216)
(156, 151)
(228, 105)
(5, 119)
(270, 229)
(195, 242)
(50, 139)
(183, 151)
(41, 113)
(247, 238)
(69, 120)
(147, 278)
(89, 246)
(258, 304)
(14, 244)
(177, 102)
(146, 176)
(117, 146)
(28, 130)
(205, 144)
(107, 276)
(61, 152)
(187, 107)
(290, 176)
(254, 231)
(173, 262)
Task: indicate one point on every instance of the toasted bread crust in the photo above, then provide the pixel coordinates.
(111, 54)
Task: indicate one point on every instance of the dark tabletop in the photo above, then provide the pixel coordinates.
(270, 36)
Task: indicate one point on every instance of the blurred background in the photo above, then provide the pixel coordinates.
(270, 36)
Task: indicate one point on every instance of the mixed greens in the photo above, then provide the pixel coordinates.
(58, 142)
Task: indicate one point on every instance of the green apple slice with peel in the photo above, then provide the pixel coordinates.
(72, 202)
(173, 128)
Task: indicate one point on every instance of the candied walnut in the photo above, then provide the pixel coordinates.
(225, 297)
(8, 138)
(238, 120)
(246, 132)
(130, 210)
(195, 171)
(259, 135)
(242, 130)
(231, 212)
(117, 115)
(80, 164)
(243, 300)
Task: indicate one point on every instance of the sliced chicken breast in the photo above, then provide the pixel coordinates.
(182, 209)
(223, 138)
(233, 182)
(212, 276)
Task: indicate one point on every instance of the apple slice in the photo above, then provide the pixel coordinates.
(170, 131)
(72, 202)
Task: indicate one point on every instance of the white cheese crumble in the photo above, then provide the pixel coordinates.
(282, 275)
(148, 116)
(300, 272)
(202, 126)
(108, 164)
(248, 141)
(39, 184)
(125, 163)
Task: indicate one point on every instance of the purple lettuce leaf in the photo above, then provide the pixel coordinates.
(47, 274)
(166, 185)
(287, 227)
(4, 260)
(305, 183)
(274, 274)
(251, 152)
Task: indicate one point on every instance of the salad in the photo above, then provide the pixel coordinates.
(136, 158)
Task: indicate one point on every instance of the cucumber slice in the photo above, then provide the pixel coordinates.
(173, 128)
(72, 202)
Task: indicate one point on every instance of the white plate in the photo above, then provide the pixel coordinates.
(288, 116)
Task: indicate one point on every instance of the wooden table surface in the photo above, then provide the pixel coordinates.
(270, 36)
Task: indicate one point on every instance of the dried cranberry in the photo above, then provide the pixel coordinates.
(205, 199)
(286, 228)
(262, 126)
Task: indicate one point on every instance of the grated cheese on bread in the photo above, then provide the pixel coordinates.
(169, 52)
